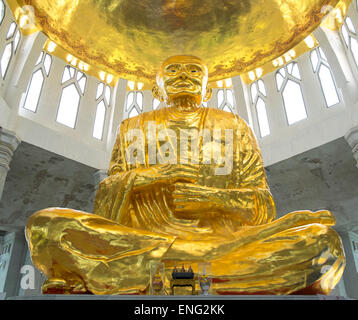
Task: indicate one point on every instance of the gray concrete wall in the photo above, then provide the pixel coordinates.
(350, 275)
(39, 179)
(322, 178)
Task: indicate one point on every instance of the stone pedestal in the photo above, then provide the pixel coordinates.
(8, 144)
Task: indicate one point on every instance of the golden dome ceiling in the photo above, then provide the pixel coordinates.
(130, 38)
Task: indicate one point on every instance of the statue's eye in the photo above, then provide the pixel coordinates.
(172, 69)
(194, 70)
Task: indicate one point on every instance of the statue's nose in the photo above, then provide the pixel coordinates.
(183, 76)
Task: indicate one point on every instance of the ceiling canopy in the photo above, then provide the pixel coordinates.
(131, 38)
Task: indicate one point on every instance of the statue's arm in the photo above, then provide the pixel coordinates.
(247, 206)
(114, 192)
(145, 176)
(117, 163)
(252, 188)
(112, 196)
(248, 199)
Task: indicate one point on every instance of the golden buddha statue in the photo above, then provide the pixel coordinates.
(205, 200)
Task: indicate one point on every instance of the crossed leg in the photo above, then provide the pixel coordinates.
(82, 253)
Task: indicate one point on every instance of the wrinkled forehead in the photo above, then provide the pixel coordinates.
(183, 60)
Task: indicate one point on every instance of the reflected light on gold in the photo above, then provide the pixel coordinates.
(131, 85)
(23, 21)
(102, 75)
(51, 47)
(259, 72)
(310, 42)
(292, 53)
(109, 78)
(252, 76)
(228, 83)
(338, 15)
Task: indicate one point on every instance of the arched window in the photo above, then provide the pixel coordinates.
(323, 70)
(2, 11)
(41, 71)
(103, 99)
(134, 103)
(258, 99)
(13, 37)
(73, 88)
(155, 104)
(350, 37)
(288, 80)
(225, 100)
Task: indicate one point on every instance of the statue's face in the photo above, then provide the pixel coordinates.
(183, 76)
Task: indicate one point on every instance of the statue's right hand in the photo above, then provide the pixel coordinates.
(177, 172)
(166, 173)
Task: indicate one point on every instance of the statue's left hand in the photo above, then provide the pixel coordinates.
(194, 201)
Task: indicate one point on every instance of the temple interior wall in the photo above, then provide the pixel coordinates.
(40, 179)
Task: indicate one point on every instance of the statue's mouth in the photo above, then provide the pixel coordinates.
(182, 84)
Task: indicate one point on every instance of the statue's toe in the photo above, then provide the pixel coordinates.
(79, 288)
(61, 286)
(55, 286)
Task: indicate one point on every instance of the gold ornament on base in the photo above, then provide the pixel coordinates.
(182, 278)
(204, 278)
(157, 278)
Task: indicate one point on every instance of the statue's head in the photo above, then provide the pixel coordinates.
(182, 77)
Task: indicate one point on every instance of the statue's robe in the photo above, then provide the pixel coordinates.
(251, 252)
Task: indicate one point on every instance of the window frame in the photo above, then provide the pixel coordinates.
(107, 105)
(72, 81)
(288, 77)
(254, 102)
(225, 100)
(5, 8)
(134, 105)
(38, 66)
(10, 41)
(348, 47)
(316, 72)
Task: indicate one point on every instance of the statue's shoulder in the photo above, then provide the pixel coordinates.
(227, 117)
(222, 114)
(142, 117)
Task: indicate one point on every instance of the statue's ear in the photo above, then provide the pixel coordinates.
(208, 94)
(157, 93)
